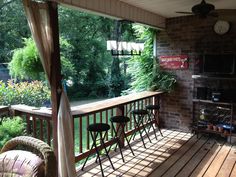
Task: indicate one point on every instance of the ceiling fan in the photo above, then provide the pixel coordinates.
(202, 9)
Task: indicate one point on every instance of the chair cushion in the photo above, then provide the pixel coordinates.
(18, 163)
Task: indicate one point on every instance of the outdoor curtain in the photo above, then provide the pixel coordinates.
(37, 14)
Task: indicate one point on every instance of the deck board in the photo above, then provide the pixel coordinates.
(196, 159)
(233, 172)
(206, 161)
(177, 154)
(163, 168)
(228, 164)
(184, 159)
(164, 151)
(217, 163)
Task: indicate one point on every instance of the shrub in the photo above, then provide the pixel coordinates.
(26, 64)
(33, 93)
(10, 128)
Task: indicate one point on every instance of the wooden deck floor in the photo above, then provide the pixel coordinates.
(176, 154)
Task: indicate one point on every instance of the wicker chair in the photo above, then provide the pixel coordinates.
(36, 159)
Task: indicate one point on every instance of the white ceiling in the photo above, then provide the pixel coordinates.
(167, 8)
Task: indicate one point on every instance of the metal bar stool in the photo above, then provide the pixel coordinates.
(154, 115)
(139, 115)
(95, 130)
(121, 121)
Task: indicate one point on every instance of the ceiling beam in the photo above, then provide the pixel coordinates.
(119, 10)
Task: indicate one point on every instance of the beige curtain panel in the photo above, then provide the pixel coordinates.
(37, 14)
(38, 20)
(66, 158)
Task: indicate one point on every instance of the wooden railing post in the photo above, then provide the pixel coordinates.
(157, 112)
(120, 112)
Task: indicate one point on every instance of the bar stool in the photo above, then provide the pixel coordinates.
(95, 130)
(121, 121)
(139, 115)
(154, 112)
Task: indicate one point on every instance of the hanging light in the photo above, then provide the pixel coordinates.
(123, 48)
(111, 45)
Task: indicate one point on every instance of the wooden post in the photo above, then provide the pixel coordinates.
(157, 112)
(55, 80)
(120, 112)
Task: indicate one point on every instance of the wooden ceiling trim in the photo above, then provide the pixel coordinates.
(119, 10)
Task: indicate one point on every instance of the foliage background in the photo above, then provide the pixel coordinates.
(14, 27)
(145, 70)
(26, 64)
(10, 128)
(33, 93)
(89, 67)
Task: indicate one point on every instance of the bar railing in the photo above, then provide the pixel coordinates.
(101, 112)
(37, 120)
(39, 125)
(4, 111)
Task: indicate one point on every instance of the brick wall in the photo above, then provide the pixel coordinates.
(190, 36)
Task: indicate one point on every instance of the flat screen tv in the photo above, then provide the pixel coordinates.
(223, 64)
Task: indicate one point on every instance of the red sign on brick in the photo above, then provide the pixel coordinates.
(174, 62)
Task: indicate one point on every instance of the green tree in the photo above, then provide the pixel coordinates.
(14, 27)
(88, 35)
(117, 83)
(145, 70)
(26, 63)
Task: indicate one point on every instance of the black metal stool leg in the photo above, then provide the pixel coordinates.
(151, 125)
(115, 136)
(159, 130)
(127, 141)
(118, 140)
(138, 126)
(109, 148)
(93, 145)
(103, 144)
(99, 159)
(121, 150)
(144, 129)
(135, 126)
(154, 116)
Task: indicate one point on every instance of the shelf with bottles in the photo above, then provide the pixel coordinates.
(216, 119)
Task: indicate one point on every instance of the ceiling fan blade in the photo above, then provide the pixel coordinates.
(190, 13)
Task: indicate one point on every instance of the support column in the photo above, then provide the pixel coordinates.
(55, 80)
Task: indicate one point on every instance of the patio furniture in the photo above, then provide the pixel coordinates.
(120, 122)
(27, 156)
(96, 130)
(139, 116)
(154, 115)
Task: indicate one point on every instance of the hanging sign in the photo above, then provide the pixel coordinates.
(174, 62)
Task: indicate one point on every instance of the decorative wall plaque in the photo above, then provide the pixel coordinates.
(174, 62)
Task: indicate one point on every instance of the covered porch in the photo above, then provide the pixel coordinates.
(178, 152)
